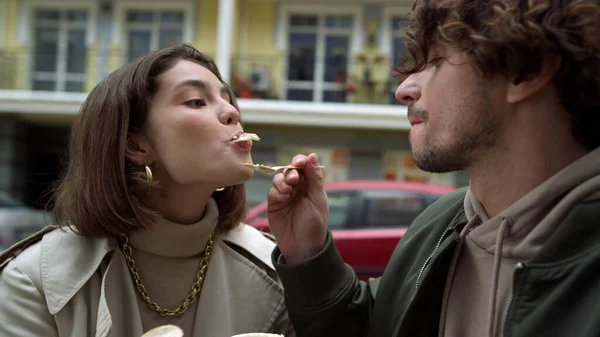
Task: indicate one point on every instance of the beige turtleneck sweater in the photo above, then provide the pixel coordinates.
(167, 256)
(480, 279)
(241, 292)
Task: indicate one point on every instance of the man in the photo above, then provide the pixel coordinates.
(510, 91)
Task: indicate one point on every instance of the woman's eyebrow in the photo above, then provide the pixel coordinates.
(197, 84)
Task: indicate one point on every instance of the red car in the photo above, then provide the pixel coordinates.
(368, 218)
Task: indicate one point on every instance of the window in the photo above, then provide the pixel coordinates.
(385, 209)
(60, 51)
(320, 48)
(3, 8)
(150, 30)
(398, 50)
(6, 200)
(339, 208)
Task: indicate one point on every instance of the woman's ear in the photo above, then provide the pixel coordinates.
(138, 149)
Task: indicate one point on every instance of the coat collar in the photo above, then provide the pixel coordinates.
(253, 241)
(69, 260)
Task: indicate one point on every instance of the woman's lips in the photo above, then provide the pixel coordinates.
(247, 146)
(243, 140)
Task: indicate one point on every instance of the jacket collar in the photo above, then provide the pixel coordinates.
(253, 241)
(69, 260)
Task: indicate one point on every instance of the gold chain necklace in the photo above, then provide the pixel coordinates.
(189, 299)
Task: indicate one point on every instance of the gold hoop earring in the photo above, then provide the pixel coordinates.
(220, 189)
(148, 174)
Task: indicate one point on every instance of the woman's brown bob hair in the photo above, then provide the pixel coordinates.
(102, 193)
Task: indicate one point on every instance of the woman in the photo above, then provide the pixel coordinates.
(153, 195)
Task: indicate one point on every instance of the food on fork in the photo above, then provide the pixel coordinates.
(245, 137)
(273, 169)
(260, 167)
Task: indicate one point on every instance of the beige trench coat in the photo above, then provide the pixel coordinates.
(56, 288)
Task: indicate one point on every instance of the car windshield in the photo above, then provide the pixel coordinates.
(392, 208)
(6, 200)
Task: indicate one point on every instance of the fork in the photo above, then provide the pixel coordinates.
(275, 169)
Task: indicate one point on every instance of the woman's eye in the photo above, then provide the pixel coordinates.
(195, 103)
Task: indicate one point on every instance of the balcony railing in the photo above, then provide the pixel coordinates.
(334, 79)
(8, 69)
(267, 77)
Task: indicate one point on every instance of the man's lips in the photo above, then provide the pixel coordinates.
(416, 116)
(414, 121)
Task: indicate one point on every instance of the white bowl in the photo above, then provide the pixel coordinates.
(164, 331)
(258, 334)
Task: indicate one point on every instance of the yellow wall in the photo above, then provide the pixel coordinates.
(13, 61)
(114, 58)
(92, 67)
(206, 31)
(235, 38)
(20, 52)
(10, 24)
(259, 17)
(23, 56)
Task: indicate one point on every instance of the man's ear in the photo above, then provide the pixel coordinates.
(138, 149)
(526, 85)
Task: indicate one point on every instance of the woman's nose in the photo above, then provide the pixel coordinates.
(230, 114)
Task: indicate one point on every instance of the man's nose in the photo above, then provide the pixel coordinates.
(408, 91)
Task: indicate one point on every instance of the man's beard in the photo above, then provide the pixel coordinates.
(471, 142)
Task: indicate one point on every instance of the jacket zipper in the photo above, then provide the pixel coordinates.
(516, 270)
(439, 243)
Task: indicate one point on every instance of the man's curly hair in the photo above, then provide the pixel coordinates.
(511, 37)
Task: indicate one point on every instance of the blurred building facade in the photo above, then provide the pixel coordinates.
(311, 75)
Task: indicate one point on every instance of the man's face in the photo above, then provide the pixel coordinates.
(453, 112)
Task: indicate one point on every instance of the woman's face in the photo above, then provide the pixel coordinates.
(188, 136)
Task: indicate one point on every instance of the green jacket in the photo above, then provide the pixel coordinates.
(557, 293)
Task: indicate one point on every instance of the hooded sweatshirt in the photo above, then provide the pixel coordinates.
(479, 284)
